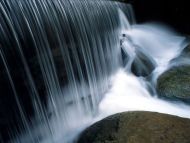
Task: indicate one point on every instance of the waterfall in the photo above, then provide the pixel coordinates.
(56, 61)
(65, 64)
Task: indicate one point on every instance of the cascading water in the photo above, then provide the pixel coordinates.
(130, 93)
(61, 66)
(56, 59)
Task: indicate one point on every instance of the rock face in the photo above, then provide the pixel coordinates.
(175, 83)
(138, 127)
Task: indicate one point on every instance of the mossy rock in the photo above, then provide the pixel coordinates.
(138, 127)
(175, 83)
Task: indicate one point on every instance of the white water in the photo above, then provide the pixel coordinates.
(129, 94)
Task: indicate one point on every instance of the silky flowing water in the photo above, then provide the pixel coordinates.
(62, 69)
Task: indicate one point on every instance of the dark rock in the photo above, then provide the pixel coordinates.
(186, 52)
(138, 127)
(175, 83)
(183, 57)
(142, 65)
(125, 57)
(102, 131)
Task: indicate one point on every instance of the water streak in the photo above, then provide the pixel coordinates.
(56, 60)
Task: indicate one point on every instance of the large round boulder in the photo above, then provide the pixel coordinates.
(138, 127)
(175, 83)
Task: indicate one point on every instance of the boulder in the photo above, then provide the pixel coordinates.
(138, 127)
(175, 83)
(143, 65)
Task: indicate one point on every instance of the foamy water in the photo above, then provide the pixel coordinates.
(129, 94)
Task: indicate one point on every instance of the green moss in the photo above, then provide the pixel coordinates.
(175, 82)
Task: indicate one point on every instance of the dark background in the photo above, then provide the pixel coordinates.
(175, 13)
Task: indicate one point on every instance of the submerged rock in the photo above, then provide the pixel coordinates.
(175, 83)
(138, 127)
(142, 64)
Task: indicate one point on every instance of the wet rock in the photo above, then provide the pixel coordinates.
(175, 83)
(142, 65)
(125, 57)
(185, 53)
(184, 56)
(138, 127)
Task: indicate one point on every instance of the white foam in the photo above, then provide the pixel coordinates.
(128, 94)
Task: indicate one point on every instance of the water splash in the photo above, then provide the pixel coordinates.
(158, 42)
(130, 93)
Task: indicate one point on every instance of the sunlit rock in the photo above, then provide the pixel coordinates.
(138, 127)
